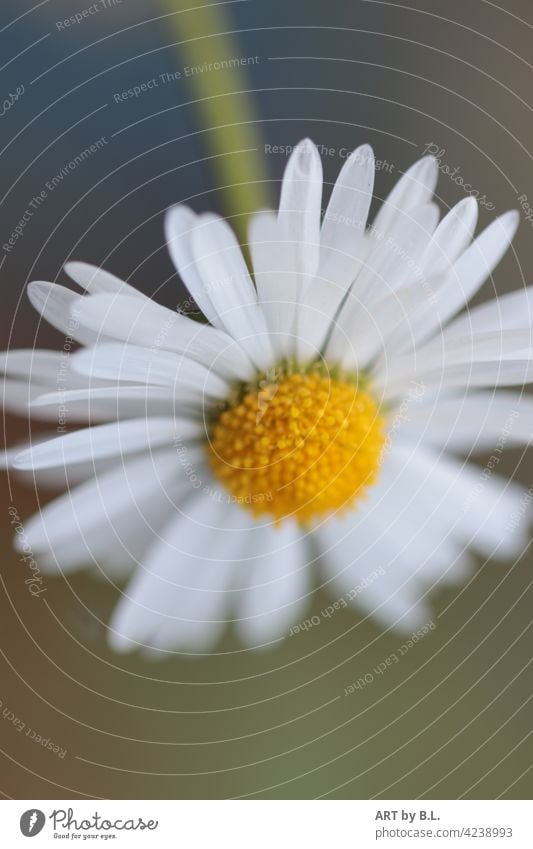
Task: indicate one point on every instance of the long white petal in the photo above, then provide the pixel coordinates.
(464, 279)
(180, 222)
(104, 403)
(95, 280)
(17, 395)
(277, 286)
(118, 545)
(343, 228)
(510, 312)
(38, 365)
(278, 585)
(49, 370)
(416, 187)
(451, 238)
(89, 507)
(355, 554)
(393, 260)
(144, 365)
(300, 206)
(440, 355)
(107, 440)
(396, 255)
(486, 511)
(469, 375)
(228, 285)
(56, 305)
(147, 324)
(343, 248)
(178, 599)
(299, 221)
(370, 328)
(477, 422)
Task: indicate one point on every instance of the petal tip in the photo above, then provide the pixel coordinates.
(119, 643)
(306, 157)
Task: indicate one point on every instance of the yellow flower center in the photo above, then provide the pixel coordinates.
(304, 446)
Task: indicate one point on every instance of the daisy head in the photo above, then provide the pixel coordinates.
(319, 418)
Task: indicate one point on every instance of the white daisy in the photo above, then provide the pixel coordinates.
(320, 416)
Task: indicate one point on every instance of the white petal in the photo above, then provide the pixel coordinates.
(228, 285)
(95, 280)
(343, 228)
(106, 440)
(300, 206)
(210, 262)
(38, 365)
(278, 288)
(478, 507)
(469, 375)
(507, 373)
(147, 324)
(342, 250)
(433, 361)
(49, 370)
(180, 222)
(352, 553)
(278, 585)
(392, 260)
(418, 520)
(178, 599)
(510, 312)
(396, 256)
(368, 333)
(420, 545)
(59, 477)
(90, 507)
(55, 304)
(416, 187)
(478, 422)
(145, 365)
(452, 237)
(415, 529)
(103, 403)
(464, 279)
(18, 394)
(299, 219)
(118, 545)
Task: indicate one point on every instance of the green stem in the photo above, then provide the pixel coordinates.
(221, 97)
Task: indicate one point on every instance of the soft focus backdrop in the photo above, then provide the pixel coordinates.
(453, 718)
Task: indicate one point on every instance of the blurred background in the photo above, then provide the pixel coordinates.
(139, 81)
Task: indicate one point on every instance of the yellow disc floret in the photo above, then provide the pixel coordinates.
(303, 446)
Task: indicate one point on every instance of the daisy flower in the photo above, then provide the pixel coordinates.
(317, 426)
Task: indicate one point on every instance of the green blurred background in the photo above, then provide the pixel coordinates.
(453, 719)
